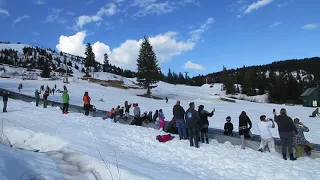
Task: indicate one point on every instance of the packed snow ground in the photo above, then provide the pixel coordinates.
(209, 97)
(138, 153)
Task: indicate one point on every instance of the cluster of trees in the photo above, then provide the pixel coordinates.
(180, 78)
(284, 81)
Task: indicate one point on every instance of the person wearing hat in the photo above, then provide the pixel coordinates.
(192, 118)
(204, 123)
(285, 128)
(266, 137)
(228, 127)
(300, 141)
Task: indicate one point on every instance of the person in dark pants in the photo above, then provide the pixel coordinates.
(286, 127)
(192, 118)
(204, 123)
(45, 99)
(5, 97)
(228, 127)
(86, 101)
(178, 115)
(65, 101)
(37, 96)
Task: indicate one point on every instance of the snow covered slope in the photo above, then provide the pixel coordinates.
(204, 95)
(140, 156)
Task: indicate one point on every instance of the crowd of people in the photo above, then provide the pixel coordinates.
(193, 124)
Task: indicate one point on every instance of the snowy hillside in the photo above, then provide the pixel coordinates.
(209, 97)
(87, 148)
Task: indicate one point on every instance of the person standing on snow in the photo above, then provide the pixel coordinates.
(65, 101)
(45, 99)
(300, 141)
(161, 119)
(286, 127)
(244, 130)
(178, 115)
(265, 134)
(204, 123)
(5, 98)
(86, 100)
(127, 109)
(192, 118)
(166, 99)
(37, 96)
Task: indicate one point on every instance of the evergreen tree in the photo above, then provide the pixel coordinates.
(181, 79)
(227, 81)
(90, 58)
(247, 86)
(170, 77)
(148, 71)
(105, 62)
(46, 71)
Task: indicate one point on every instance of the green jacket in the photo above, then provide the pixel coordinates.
(65, 97)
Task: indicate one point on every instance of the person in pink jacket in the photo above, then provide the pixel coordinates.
(161, 119)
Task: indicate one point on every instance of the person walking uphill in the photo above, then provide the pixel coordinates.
(86, 100)
(244, 130)
(5, 98)
(178, 115)
(65, 101)
(37, 96)
(286, 128)
(204, 123)
(192, 118)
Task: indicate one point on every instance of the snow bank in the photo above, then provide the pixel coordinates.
(140, 156)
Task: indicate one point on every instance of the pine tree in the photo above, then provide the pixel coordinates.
(105, 63)
(227, 81)
(247, 86)
(90, 58)
(170, 77)
(148, 71)
(46, 71)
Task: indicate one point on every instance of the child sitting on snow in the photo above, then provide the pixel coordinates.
(228, 127)
(161, 119)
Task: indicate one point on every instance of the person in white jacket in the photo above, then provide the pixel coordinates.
(266, 137)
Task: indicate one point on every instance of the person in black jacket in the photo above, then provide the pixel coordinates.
(228, 127)
(192, 118)
(5, 97)
(45, 99)
(244, 130)
(204, 123)
(37, 96)
(286, 127)
(178, 115)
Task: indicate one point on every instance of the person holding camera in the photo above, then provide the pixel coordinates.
(266, 137)
(286, 127)
(300, 141)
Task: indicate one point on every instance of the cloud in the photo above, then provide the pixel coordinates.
(5, 12)
(20, 19)
(195, 34)
(55, 16)
(152, 7)
(40, 2)
(310, 26)
(191, 65)
(108, 10)
(72, 44)
(257, 5)
(238, 16)
(165, 46)
(90, 2)
(282, 5)
(275, 24)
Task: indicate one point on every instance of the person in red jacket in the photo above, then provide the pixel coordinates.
(86, 101)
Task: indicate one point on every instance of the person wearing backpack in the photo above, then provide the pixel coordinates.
(192, 118)
(65, 101)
